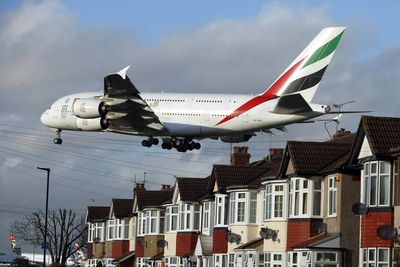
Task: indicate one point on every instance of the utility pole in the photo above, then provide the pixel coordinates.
(45, 220)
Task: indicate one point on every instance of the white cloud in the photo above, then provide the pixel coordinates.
(12, 162)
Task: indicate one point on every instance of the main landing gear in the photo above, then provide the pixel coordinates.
(58, 140)
(181, 145)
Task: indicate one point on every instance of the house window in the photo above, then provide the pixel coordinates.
(303, 192)
(173, 262)
(152, 216)
(110, 229)
(90, 232)
(118, 228)
(274, 201)
(98, 232)
(206, 215)
(376, 183)
(231, 260)
(172, 218)
(243, 207)
(375, 257)
(273, 259)
(220, 260)
(142, 223)
(220, 210)
(396, 183)
(332, 195)
(189, 217)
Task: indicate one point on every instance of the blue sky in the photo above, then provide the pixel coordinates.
(53, 48)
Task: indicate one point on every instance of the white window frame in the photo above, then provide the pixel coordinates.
(332, 196)
(374, 177)
(90, 232)
(142, 223)
(189, 214)
(219, 218)
(276, 259)
(304, 191)
(110, 230)
(243, 207)
(98, 231)
(173, 262)
(220, 260)
(172, 215)
(207, 215)
(371, 257)
(272, 195)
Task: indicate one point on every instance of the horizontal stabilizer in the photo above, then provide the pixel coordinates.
(291, 104)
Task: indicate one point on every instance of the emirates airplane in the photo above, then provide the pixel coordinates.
(180, 119)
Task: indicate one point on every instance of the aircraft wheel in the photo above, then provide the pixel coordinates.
(146, 143)
(197, 146)
(155, 141)
(57, 141)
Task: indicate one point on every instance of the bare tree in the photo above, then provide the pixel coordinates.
(66, 233)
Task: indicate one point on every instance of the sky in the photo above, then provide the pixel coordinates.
(54, 48)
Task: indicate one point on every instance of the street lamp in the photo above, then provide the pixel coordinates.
(45, 220)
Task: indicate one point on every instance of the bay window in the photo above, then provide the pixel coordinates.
(332, 196)
(98, 233)
(396, 183)
(90, 232)
(274, 259)
(189, 217)
(274, 201)
(110, 229)
(142, 222)
(219, 219)
(305, 197)
(375, 257)
(376, 183)
(173, 262)
(206, 215)
(172, 218)
(243, 207)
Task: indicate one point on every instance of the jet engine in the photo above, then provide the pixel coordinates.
(236, 138)
(95, 124)
(89, 108)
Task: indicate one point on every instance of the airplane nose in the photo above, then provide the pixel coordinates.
(45, 117)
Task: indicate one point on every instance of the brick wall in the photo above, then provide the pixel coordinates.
(139, 247)
(300, 230)
(369, 223)
(220, 243)
(119, 248)
(89, 250)
(185, 243)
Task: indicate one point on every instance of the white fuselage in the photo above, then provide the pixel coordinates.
(186, 115)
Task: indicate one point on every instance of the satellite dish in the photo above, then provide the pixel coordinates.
(386, 232)
(234, 238)
(268, 233)
(359, 208)
(320, 227)
(162, 243)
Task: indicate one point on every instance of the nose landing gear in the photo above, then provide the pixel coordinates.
(58, 140)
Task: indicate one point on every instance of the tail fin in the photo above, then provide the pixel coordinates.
(305, 72)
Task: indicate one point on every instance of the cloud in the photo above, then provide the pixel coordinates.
(12, 162)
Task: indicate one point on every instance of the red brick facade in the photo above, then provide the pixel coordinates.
(139, 248)
(300, 231)
(119, 248)
(90, 250)
(185, 243)
(220, 243)
(369, 223)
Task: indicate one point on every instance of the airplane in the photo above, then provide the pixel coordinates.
(181, 119)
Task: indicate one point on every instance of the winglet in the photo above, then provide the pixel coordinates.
(122, 72)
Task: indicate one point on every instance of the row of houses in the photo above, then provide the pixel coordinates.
(332, 203)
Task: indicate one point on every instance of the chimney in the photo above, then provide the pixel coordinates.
(275, 153)
(165, 186)
(340, 133)
(239, 156)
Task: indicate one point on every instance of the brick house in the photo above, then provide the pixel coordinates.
(149, 242)
(96, 218)
(375, 152)
(319, 193)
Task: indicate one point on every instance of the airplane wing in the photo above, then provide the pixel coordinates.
(127, 111)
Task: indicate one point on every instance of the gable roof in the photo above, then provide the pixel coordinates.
(309, 158)
(191, 189)
(228, 175)
(148, 199)
(122, 208)
(382, 134)
(97, 213)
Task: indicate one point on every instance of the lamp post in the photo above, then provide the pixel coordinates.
(45, 220)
